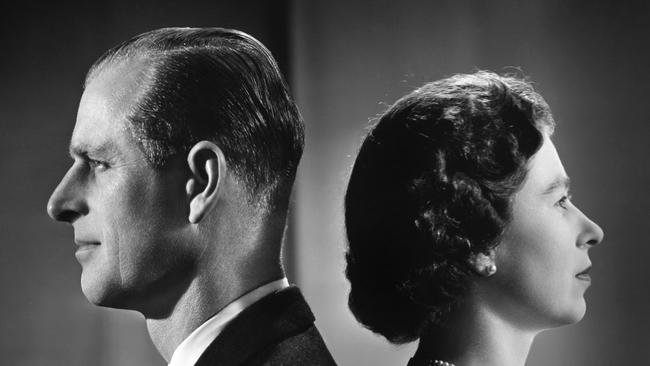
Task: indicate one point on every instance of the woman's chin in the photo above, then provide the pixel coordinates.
(571, 314)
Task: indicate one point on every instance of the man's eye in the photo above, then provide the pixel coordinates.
(97, 165)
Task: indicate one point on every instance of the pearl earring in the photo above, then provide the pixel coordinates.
(491, 269)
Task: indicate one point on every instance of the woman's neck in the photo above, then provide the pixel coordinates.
(477, 337)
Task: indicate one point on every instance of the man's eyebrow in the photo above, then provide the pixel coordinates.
(85, 150)
(560, 182)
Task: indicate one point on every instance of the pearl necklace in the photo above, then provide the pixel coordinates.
(440, 363)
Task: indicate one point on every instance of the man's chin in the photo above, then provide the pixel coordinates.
(154, 299)
(102, 294)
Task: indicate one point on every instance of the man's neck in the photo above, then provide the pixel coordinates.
(205, 296)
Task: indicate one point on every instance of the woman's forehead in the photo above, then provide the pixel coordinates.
(545, 171)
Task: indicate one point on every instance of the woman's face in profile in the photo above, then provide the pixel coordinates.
(543, 258)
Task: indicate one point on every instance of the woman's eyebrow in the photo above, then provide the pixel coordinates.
(560, 182)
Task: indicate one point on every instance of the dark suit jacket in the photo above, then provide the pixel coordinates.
(277, 330)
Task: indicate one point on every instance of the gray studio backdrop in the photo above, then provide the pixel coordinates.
(346, 61)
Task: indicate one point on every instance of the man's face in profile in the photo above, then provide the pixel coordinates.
(128, 218)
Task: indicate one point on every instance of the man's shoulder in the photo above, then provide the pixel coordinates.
(276, 330)
(306, 348)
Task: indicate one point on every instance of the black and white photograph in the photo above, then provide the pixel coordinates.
(287, 182)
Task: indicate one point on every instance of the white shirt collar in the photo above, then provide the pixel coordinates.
(189, 351)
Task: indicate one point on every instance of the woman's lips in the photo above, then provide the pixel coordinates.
(584, 275)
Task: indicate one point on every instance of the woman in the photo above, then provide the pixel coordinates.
(460, 226)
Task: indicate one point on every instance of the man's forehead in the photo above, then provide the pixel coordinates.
(101, 126)
(113, 89)
(107, 101)
(98, 119)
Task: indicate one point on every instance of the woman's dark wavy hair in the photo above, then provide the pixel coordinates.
(431, 186)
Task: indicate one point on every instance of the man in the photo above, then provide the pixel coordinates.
(184, 153)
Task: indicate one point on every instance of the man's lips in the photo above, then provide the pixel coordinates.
(85, 244)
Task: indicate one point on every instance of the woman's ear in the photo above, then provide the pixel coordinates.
(205, 186)
(483, 263)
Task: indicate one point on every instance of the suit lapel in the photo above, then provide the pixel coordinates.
(261, 325)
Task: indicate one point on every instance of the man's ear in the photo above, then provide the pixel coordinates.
(483, 263)
(204, 188)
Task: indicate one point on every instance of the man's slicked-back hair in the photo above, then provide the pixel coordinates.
(213, 84)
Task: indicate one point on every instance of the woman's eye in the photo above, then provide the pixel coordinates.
(564, 201)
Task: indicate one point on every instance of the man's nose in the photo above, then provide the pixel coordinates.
(67, 203)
